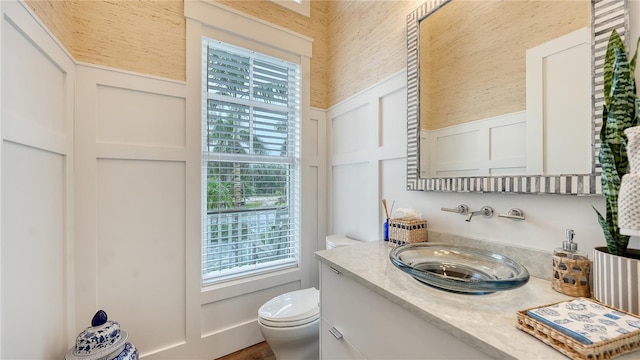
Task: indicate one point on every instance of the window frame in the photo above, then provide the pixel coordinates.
(291, 159)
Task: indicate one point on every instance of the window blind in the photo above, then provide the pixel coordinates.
(251, 162)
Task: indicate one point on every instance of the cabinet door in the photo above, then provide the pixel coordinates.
(333, 348)
(380, 329)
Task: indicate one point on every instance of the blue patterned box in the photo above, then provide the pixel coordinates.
(583, 329)
(586, 320)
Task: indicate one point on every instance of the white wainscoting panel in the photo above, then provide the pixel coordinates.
(33, 253)
(352, 189)
(140, 262)
(314, 175)
(507, 150)
(33, 82)
(36, 160)
(351, 131)
(484, 147)
(567, 128)
(558, 102)
(392, 115)
(136, 117)
(132, 205)
(375, 117)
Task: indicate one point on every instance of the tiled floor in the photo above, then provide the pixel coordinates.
(260, 351)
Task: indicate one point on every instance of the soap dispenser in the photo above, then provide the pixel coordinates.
(571, 269)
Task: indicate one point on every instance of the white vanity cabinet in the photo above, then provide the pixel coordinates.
(357, 323)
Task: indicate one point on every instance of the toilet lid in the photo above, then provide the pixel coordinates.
(338, 241)
(291, 309)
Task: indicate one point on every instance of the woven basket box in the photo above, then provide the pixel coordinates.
(406, 231)
(574, 349)
(571, 276)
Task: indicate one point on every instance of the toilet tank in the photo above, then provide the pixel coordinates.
(334, 241)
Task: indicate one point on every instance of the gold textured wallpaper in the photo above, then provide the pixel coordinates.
(56, 16)
(367, 44)
(141, 36)
(355, 43)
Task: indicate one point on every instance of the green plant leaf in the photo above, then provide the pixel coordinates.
(615, 42)
(622, 102)
(605, 227)
(632, 64)
(619, 113)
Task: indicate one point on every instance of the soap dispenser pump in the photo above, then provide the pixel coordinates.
(569, 248)
(571, 269)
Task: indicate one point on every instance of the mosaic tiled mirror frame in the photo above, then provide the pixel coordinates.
(606, 15)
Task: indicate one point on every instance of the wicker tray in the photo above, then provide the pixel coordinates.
(573, 348)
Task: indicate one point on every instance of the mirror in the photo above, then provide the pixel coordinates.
(518, 135)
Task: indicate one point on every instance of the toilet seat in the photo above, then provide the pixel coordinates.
(334, 241)
(291, 309)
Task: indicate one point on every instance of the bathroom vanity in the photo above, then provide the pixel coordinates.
(357, 323)
(372, 310)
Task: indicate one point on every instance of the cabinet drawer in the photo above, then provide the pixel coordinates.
(380, 329)
(332, 348)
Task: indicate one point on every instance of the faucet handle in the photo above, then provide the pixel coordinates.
(486, 211)
(513, 214)
(461, 209)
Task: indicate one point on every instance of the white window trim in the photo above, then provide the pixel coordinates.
(211, 19)
(224, 19)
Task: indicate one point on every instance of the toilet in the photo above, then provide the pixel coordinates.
(290, 322)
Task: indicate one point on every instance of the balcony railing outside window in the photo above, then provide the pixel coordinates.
(241, 242)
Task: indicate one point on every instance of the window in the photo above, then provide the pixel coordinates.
(251, 162)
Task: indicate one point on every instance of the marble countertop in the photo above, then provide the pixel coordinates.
(486, 322)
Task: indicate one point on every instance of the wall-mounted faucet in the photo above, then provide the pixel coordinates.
(486, 211)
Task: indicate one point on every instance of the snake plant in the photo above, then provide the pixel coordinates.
(620, 112)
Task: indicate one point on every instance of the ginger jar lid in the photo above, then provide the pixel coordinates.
(103, 340)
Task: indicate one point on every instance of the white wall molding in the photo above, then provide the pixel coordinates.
(364, 132)
(37, 166)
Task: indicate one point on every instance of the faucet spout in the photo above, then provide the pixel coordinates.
(486, 211)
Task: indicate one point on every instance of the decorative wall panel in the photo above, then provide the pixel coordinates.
(134, 117)
(33, 253)
(132, 205)
(140, 236)
(34, 84)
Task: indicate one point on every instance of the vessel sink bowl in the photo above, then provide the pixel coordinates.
(459, 269)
